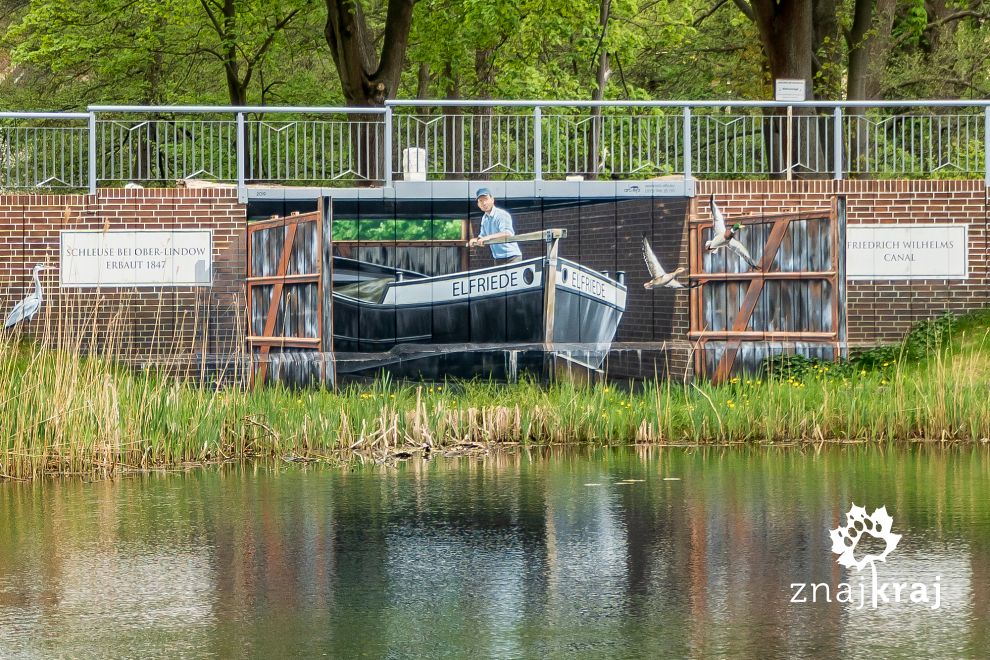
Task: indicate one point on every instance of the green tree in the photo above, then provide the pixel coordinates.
(154, 51)
(366, 77)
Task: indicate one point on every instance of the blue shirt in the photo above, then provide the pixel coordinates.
(496, 222)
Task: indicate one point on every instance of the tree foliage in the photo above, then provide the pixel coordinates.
(60, 55)
(67, 55)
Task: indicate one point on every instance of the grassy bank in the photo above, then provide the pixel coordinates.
(60, 414)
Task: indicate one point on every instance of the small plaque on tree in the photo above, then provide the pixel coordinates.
(790, 89)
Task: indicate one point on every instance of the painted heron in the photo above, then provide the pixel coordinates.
(27, 308)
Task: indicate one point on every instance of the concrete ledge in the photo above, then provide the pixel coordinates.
(672, 187)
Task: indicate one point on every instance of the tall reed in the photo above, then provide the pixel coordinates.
(65, 412)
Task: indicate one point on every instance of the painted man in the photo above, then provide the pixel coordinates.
(496, 223)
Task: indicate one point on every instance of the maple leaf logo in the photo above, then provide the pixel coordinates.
(844, 539)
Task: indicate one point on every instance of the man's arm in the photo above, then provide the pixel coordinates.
(481, 239)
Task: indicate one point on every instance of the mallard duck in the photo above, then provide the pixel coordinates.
(724, 237)
(661, 278)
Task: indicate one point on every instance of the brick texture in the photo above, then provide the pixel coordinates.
(606, 235)
(882, 310)
(194, 324)
(181, 326)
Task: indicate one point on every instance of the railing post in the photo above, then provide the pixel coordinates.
(241, 165)
(92, 153)
(986, 145)
(388, 146)
(687, 144)
(538, 142)
(837, 139)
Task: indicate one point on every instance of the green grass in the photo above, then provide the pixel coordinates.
(63, 414)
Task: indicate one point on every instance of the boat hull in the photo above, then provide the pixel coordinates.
(489, 321)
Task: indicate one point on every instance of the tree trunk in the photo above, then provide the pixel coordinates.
(867, 42)
(787, 34)
(367, 80)
(151, 158)
(423, 80)
(482, 126)
(453, 128)
(596, 157)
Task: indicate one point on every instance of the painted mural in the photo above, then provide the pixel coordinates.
(434, 289)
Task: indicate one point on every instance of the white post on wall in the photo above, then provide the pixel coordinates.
(538, 143)
(387, 147)
(790, 141)
(92, 153)
(241, 165)
(790, 90)
(837, 140)
(986, 145)
(687, 146)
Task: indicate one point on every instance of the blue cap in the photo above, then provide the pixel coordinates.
(482, 192)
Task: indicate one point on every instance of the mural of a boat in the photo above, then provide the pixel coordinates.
(460, 323)
(498, 321)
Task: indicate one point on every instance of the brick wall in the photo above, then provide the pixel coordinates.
(187, 323)
(182, 325)
(882, 310)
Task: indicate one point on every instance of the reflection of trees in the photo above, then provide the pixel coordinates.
(510, 555)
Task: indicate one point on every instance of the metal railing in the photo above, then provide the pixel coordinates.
(513, 140)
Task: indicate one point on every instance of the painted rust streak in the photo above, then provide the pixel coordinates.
(834, 227)
(695, 295)
(775, 275)
(742, 319)
(318, 254)
(305, 278)
(273, 223)
(283, 267)
(550, 292)
(759, 219)
(308, 342)
(760, 334)
(248, 302)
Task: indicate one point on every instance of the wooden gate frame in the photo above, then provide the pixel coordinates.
(757, 279)
(267, 339)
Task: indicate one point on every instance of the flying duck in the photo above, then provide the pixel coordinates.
(661, 278)
(726, 237)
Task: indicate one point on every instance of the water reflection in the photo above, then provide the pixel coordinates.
(544, 552)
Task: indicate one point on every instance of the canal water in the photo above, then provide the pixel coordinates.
(624, 552)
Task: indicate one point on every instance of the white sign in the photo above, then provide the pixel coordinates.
(136, 258)
(907, 252)
(790, 89)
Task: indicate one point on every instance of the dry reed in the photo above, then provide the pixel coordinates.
(64, 410)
